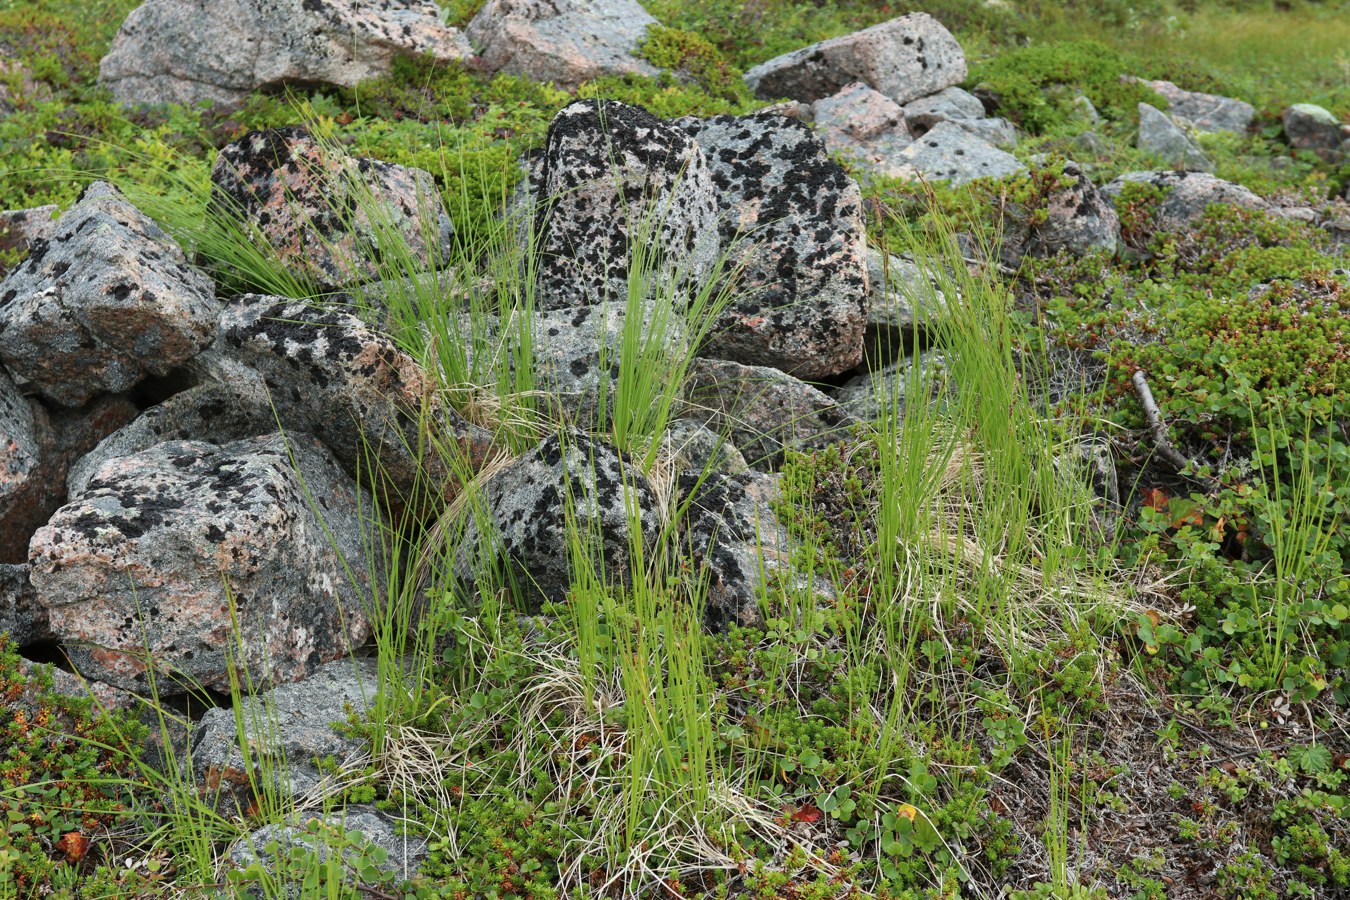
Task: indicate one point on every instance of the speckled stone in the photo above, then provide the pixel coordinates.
(612, 176)
(150, 556)
(902, 300)
(330, 374)
(21, 616)
(562, 41)
(21, 228)
(1164, 138)
(187, 51)
(527, 504)
(792, 219)
(304, 714)
(948, 152)
(298, 194)
(947, 105)
(763, 410)
(886, 392)
(693, 446)
(863, 125)
(1311, 127)
(1187, 195)
(1078, 220)
(36, 450)
(108, 300)
(904, 58)
(404, 853)
(1205, 112)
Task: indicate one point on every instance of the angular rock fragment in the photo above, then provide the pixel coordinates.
(527, 506)
(1186, 195)
(187, 51)
(107, 301)
(287, 730)
(960, 108)
(902, 300)
(623, 192)
(1075, 219)
(864, 125)
(887, 391)
(20, 229)
(1310, 127)
(906, 58)
(562, 41)
(371, 403)
(763, 410)
(948, 152)
(21, 616)
(329, 218)
(403, 853)
(694, 447)
(792, 220)
(1205, 112)
(1163, 138)
(144, 568)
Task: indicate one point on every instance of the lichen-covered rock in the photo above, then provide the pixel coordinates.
(186, 51)
(106, 301)
(792, 220)
(1186, 195)
(763, 410)
(904, 58)
(1077, 219)
(562, 41)
(403, 853)
(370, 402)
(864, 125)
(527, 506)
(576, 353)
(21, 615)
(902, 300)
(145, 567)
(1205, 112)
(1163, 138)
(734, 540)
(287, 729)
(617, 181)
(1311, 127)
(36, 450)
(692, 446)
(329, 218)
(217, 413)
(948, 152)
(886, 392)
(21, 228)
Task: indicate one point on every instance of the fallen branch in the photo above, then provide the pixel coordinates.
(1157, 426)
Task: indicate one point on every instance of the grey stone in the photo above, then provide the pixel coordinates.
(1310, 127)
(905, 58)
(329, 218)
(527, 518)
(21, 615)
(1163, 138)
(285, 730)
(187, 51)
(144, 567)
(562, 41)
(950, 153)
(217, 413)
(792, 222)
(107, 301)
(960, 108)
(887, 391)
(903, 299)
(21, 228)
(763, 410)
(405, 853)
(863, 125)
(617, 180)
(1205, 112)
(370, 402)
(694, 447)
(1187, 195)
(1077, 220)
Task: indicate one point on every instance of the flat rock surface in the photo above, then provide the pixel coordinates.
(330, 218)
(905, 58)
(1206, 112)
(792, 220)
(160, 545)
(187, 51)
(21, 615)
(562, 41)
(864, 125)
(616, 180)
(404, 853)
(948, 152)
(1186, 195)
(1163, 138)
(106, 301)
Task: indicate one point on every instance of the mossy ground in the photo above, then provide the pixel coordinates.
(1185, 739)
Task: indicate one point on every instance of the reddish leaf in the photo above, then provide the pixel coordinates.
(807, 813)
(73, 845)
